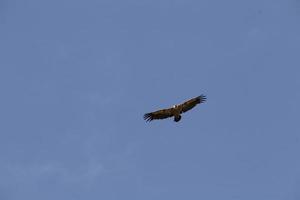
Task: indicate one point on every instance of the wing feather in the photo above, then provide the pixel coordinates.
(160, 114)
(188, 105)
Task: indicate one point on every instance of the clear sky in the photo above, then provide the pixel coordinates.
(76, 78)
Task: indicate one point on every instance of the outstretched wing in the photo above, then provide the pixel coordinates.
(188, 105)
(160, 114)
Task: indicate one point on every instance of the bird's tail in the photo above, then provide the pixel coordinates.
(177, 118)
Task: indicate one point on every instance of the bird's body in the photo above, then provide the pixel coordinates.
(176, 110)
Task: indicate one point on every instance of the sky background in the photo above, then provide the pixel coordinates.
(76, 78)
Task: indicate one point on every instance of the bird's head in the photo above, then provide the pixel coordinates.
(175, 106)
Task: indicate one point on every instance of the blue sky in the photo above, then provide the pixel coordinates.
(76, 78)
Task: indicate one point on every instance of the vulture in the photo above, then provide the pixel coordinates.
(175, 111)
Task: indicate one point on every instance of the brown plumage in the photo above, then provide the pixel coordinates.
(176, 110)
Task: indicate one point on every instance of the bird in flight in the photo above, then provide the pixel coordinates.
(176, 110)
